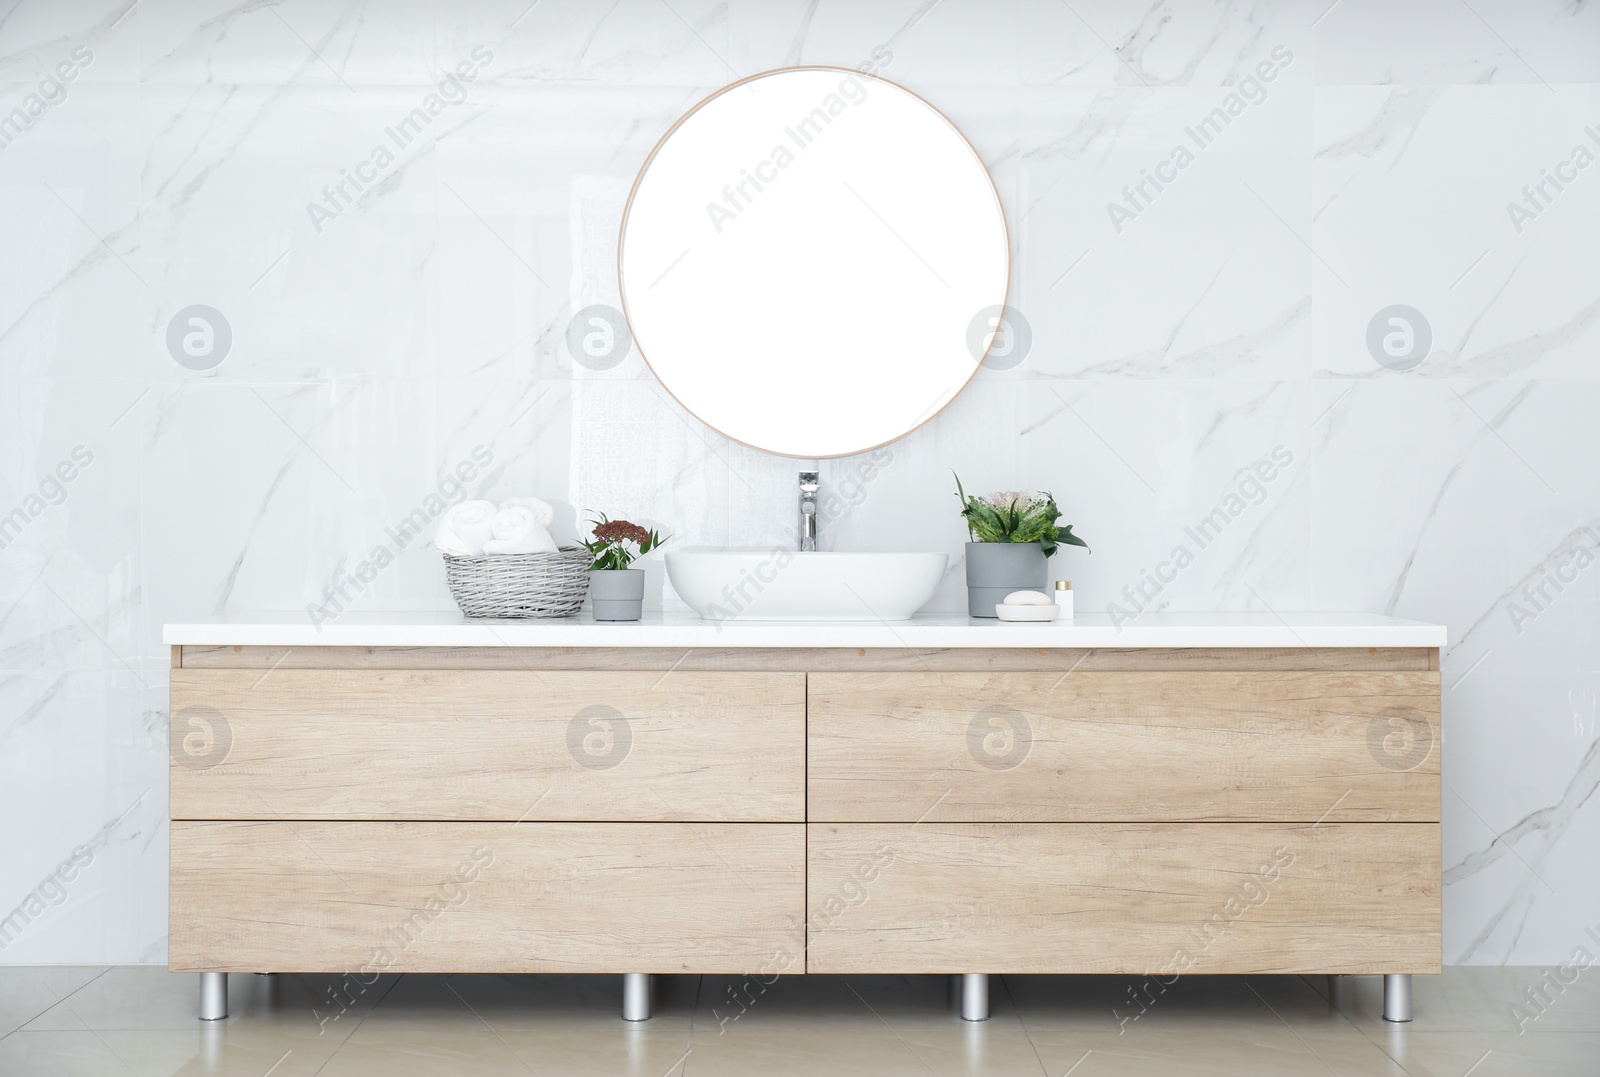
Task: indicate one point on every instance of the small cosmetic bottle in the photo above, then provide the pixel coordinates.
(1064, 600)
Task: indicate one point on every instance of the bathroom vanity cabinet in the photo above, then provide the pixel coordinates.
(1227, 794)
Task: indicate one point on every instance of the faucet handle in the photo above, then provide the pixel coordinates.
(809, 487)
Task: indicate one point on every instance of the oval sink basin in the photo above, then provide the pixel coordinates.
(782, 585)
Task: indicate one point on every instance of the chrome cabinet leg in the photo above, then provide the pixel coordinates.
(974, 996)
(636, 996)
(1397, 997)
(213, 996)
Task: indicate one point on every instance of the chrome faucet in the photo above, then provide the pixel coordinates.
(808, 510)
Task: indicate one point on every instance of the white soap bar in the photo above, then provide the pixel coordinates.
(1025, 613)
(1028, 598)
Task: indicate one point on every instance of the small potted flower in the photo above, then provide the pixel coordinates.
(617, 590)
(1013, 535)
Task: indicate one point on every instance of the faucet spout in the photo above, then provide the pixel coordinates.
(808, 510)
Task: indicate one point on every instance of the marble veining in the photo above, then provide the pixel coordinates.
(1545, 830)
(375, 348)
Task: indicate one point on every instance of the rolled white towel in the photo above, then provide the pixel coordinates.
(516, 530)
(543, 514)
(465, 529)
(446, 539)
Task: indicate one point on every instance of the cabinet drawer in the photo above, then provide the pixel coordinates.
(484, 897)
(487, 745)
(1123, 898)
(1120, 747)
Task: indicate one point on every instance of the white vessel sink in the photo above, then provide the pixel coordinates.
(782, 585)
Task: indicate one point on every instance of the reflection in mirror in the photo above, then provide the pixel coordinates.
(813, 261)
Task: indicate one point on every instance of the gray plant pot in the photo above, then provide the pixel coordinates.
(995, 569)
(617, 594)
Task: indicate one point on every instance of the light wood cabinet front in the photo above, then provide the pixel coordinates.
(1337, 746)
(487, 745)
(1108, 898)
(1204, 811)
(485, 897)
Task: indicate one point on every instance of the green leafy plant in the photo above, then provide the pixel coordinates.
(1014, 516)
(612, 540)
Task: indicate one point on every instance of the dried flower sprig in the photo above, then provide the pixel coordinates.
(612, 539)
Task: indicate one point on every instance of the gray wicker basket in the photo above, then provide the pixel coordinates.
(520, 584)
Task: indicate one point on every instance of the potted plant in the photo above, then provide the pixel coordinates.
(618, 590)
(1012, 537)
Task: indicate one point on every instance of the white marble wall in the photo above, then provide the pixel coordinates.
(375, 349)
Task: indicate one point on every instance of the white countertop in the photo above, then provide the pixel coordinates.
(432, 629)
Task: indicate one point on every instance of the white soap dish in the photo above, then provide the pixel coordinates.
(1025, 613)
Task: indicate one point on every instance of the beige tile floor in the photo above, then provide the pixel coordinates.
(65, 1022)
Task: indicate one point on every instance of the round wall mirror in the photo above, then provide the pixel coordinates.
(813, 261)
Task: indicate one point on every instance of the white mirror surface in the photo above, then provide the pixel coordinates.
(813, 261)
